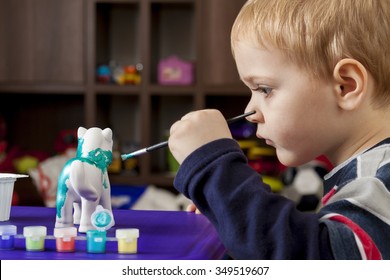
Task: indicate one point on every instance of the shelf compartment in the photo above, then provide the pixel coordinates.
(173, 32)
(215, 40)
(34, 121)
(230, 106)
(166, 110)
(117, 37)
(122, 115)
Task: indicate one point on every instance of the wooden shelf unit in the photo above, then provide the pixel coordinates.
(52, 50)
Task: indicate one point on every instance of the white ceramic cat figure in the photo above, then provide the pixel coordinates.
(83, 183)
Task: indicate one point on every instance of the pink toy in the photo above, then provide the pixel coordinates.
(174, 71)
(83, 182)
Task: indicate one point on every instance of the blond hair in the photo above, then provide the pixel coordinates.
(316, 34)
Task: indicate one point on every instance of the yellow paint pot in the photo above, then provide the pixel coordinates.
(127, 240)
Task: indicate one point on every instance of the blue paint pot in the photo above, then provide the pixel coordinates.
(96, 241)
(102, 220)
(7, 237)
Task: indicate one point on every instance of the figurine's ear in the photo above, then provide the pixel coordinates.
(81, 131)
(107, 133)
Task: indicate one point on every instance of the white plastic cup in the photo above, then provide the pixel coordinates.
(6, 191)
(7, 181)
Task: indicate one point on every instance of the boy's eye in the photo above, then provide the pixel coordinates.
(264, 90)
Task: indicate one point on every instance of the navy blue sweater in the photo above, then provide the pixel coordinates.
(254, 223)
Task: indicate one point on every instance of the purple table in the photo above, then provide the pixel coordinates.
(163, 235)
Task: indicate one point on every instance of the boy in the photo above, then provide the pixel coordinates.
(319, 75)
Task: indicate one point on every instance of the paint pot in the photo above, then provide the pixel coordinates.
(102, 220)
(65, 239)
(7, 237)
(35, 237)
(127, 240)
(96, 241)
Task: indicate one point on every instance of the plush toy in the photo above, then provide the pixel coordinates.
(304, 184)
(83, 183)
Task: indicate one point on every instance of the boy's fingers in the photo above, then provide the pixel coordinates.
(192, 208)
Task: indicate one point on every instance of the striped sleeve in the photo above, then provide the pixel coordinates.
(358, 216)
(352, 242)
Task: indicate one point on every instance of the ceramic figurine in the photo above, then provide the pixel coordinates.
(83, 183)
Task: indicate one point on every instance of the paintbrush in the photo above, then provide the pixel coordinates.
(165, 144)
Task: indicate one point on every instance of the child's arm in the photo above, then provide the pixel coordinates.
(252, 222)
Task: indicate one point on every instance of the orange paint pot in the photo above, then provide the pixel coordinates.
(65, 239)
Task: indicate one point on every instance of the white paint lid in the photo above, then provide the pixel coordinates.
(127, 233)
(31, 231)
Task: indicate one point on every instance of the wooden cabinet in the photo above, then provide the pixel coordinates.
(41, 42)
(218, 66)
(51, 50)
(42, 70)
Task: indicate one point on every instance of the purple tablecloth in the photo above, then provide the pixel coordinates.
(163, 235)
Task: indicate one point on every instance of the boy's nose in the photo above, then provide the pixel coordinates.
(257, 117)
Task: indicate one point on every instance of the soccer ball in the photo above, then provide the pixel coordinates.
(304, 185)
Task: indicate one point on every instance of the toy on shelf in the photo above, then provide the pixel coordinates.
(263, 159)
(304, 184)
(13, 159)
(131, 75)
(103, 74)
(84, 183)
(127, 75)
(45, 175)
(66, 139)
(175, 71)
(118, 74)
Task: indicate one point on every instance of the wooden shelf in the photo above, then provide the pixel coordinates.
(117, 89)
(162, 180)
(34, 88)
(223, 90)
(49, 66)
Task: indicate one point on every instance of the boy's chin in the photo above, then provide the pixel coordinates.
(289, 160)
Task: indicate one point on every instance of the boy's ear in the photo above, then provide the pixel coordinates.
(351, 79)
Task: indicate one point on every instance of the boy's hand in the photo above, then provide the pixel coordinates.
(192, 208)
(195, 130)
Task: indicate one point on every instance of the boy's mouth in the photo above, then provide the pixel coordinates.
(269, 142)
